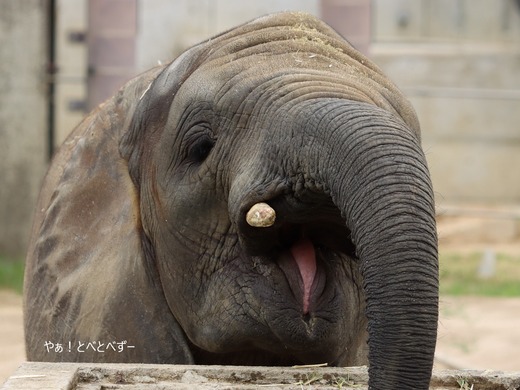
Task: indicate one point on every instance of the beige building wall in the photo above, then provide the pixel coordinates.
(23, 118)
(167, 28)
(459, 63)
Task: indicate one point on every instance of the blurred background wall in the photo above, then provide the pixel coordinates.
(23, 116)
(459, 63)
(457, 60)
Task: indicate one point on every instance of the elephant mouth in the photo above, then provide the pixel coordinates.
(306, 243)
(300, 267)
(307, 252)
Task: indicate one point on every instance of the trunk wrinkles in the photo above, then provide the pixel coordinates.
(377, 176)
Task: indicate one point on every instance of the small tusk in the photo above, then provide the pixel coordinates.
(261, 215)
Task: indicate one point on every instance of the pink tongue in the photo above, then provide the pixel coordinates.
(305, 257)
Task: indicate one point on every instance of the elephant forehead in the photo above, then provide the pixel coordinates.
(272, 82)
(270, 79)
(294, 50)
(256, 56)
(279, 33)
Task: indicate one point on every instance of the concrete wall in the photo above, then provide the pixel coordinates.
(468, 104)
(446, 20)
(23, 117)
(459, 63)
(167, 28)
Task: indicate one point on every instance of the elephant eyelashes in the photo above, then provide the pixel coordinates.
(200, 150)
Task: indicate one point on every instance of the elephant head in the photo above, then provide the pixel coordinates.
(263, 199)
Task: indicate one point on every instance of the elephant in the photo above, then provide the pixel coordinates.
(263, 199)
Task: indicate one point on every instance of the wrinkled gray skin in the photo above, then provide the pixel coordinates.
(140, 232)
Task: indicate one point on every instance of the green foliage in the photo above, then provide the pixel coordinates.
(11, 274)
(464, 384)
(459, 275)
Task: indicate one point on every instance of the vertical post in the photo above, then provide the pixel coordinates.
(351, 19)
(111, 40)
(51, 76)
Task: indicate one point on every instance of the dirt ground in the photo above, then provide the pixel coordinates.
(11, 333)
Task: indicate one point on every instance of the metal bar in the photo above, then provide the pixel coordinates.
(51, 79)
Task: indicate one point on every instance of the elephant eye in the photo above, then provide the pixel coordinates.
(200, 150)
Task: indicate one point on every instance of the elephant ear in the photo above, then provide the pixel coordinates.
(149, 119)
(90, 272)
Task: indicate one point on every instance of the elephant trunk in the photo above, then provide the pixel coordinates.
(378, 178)
(372, 166)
